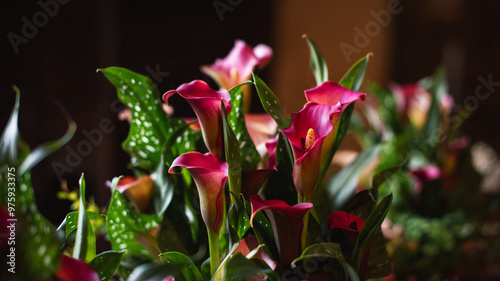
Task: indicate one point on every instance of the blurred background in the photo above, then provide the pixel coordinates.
(51, 49)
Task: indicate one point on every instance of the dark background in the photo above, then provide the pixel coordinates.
(57, 66)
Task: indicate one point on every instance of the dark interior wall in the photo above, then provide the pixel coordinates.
(55, 65)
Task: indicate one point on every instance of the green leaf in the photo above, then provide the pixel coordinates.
(318, 64)
(82, 231)
(238, 217)
(341, 187)
(70, 222)
(378, 263)
(386, 108)
(438, 88)
(236, 120)
(327, 250)
(233, 157)
(38, 243)
(270, 102)
(174, 264)
(321, 250)
(392, 157)
(263, 230)
(149, 127)
(351, 80)
(124, 224)
(280, 185)
(240, 267)
(354, 76)
(370, 228)
(361, 204)
(106, 263)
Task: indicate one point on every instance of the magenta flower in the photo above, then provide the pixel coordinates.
(210, 175)
(287, 222)
(206, 104)
(310, 126)
(425, 175)
(138, 190)
(332, 93)
(248, 244)
(261, 127)
(271, 150)
(237, 66)
(345, 228)
(75, 270)
(412, 102)
(253, 180)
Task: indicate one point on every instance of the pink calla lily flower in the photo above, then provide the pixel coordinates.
(287, 222)
(310, 126)
(206, 104)
(75, 270)
(139, 190)
(237, 66)
(253, 180)
(413, 103)
(261, 128)
(425, 175)
(332, 93)
(248, 244)
(271, 150)
(345, 228)
(210, 175)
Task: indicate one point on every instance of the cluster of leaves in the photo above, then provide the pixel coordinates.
(169, 239)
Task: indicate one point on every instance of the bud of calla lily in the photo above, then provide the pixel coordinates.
(206, 104)
(210, 175)
(287, 222)
(310, 126)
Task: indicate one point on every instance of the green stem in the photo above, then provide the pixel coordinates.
(213, 244)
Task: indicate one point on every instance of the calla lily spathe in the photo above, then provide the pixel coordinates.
(139, 190)
(206, 104)
(310, 126)
(332, 93)
(210, 175)
(237, 66)
(287, 222)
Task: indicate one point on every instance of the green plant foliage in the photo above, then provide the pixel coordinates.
(318, 64)
(239, 267)
(236, 120)
(173, 264)
(106, 263)
(37, 240)
(270, 102)
(369, 230)
(149, 127)
(125, 225)
(340, 188)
